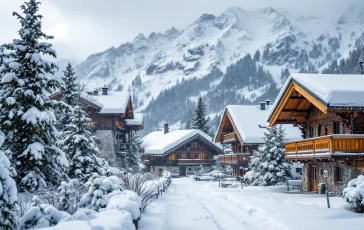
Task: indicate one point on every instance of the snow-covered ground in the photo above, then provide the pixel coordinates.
(203, 205)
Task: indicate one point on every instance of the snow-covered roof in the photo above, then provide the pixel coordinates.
(138, 119)
(330, 89)
(113, 102)
(250, 122)
(159, 143)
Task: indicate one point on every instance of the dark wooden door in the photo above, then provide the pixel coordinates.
(313, 177)
(182, 171)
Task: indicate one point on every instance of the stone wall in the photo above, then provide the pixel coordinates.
(106, 145)
(349, 173)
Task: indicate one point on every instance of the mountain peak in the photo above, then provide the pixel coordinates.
(140, 37)
(206, 17)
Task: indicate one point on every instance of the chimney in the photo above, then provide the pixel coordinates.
(267, 102)
(104, 90)
(262, 105)
(96, 92)
(165, 128)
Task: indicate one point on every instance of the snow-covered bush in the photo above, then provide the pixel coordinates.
(8, 192)
(128, 201)
(70, 194)
(267, 165)
(41, 215)
(85, 219)
(100, 190)
(354, 194)
(144, 185)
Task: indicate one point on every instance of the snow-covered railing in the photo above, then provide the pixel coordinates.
(196, 161)
(234, 158)
(349, 143)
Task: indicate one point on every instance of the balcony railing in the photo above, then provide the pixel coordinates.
(230, 137)
(336, 143)
(195, 161)
(234, 159)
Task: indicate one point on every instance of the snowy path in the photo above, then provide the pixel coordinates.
(191, 205)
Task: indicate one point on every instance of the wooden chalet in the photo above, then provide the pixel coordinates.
(242, 128)
(181, 152)
(112, 112)
(329, 111)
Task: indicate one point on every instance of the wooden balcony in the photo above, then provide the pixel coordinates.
(325, 146)
(196, 161)
(230, 137)
(234, 159)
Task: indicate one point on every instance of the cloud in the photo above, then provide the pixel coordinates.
(83, 27)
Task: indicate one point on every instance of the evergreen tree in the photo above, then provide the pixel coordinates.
(132, 158)
(69, 87)
(267, 165)
(256, 56)
(199, 120)
(26, 114)
(8, 192)
(80, 147)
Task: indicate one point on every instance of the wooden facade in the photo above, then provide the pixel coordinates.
(333, 136)
(184, 158)
(115, 122)
(228, 135)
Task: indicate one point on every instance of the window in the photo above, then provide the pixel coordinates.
(172, 157)
(338, 128)
(299, 170)
(338, 174)
(313, 131)
(201, 156)
(194, 144)
(189, 169)
(152, 158)
(183, 155)
(192, 156)
(315, 173)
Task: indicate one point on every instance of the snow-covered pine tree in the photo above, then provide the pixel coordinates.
(80, 147)
(69, 86)
(133, 156)
(8, 192)
(267, 165)
(199, 120)
(27, 114)
(70, 91)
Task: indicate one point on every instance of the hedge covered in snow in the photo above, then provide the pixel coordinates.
(354, 194)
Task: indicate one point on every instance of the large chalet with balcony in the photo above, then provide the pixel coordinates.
(113, 119)
(242, 129)
(180, 152)
(329, 111)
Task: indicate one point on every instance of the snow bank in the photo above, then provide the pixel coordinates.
(89, 220)
(128, 201)
(354, 194)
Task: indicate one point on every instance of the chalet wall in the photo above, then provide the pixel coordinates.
(349, 173)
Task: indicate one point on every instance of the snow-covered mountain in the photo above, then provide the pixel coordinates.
(209, 51)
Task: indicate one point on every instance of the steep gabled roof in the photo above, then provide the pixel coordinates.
(158, 143)
(250, 124)
(325, 91)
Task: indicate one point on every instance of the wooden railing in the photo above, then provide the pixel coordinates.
(196, 161)
(229, 137)
(347, 143)
(234, 158)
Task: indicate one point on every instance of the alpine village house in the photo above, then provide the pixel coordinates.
(181, 152)
(329, 111)
(113, 119)
(242, 129)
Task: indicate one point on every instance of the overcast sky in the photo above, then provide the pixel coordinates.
(83, 27)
